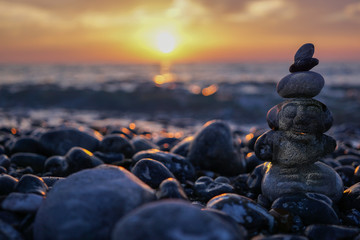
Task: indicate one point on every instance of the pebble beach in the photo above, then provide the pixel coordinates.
(162, 162)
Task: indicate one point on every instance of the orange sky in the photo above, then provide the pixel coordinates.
(205, 30)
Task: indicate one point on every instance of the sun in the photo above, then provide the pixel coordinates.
(165, 42)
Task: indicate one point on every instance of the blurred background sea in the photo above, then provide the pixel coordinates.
(180, 93)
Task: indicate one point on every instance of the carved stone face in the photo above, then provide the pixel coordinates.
(300, 116)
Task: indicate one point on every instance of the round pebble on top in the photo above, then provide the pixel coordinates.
(300, 84)
(303, 60)
(305, 51)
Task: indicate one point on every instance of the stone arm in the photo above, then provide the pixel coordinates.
(264, 146)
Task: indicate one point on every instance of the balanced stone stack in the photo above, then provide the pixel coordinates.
(296, 142)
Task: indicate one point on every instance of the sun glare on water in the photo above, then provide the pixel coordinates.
(165, 42)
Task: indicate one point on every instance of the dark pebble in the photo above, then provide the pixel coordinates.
(311, 207)
(251, 138)
(207, 188)
(245, 212)
(79, 158)
(167, 143)
(87, 204)
(50, 181)
(326, 232)
(169, 219)
(60, 141)
(141, 143)
(8, 232)
(255, 179)
(351, 217)
(33, 160)
(171, 188)
(29, 183)
(357, 174)
(7, 184)
(151, 172)
(303, 65)
(182, 148)
(351, 198)
(287, 221)
(252, 161)
(4, 161)
(280, 237)
(349, 160)
(347, 174)
(181, 168)
(213, 149)
(3, 170)
(304, 52)
(56, 166)
(25, 144)
(115, 143)
(22, 202)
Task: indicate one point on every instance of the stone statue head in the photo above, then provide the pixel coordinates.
(301, 116)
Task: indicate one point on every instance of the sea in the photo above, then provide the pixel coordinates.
(181, 93)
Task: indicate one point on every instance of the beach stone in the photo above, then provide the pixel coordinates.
(304, 65)
(25, 144)
(311, 207)
(347, 174)
(300, 115)
(167, 143)
(33, 160)
(280, 237)
(348, 160)
(141, 143)
(251, 138)
(4, 161)
(255, 178)
(79, 158)
(50, 181)
(8, 232)
(351, 217)
(151, 172)
(287, 221)
(173, 220)
(181, 168)
(56, 166)
(305, 84)
(60, 141)
(2, 170)
(306, 51)
(171, 188)
(22, 202)
(87, 204)
(245, 212)
(252, 161)
(207, 188)
(325, 232)
(7, 184)
(115, 143)
(109, 158)
(213, 149)
(351, 198)
(29, 183)
(357, 174)
(182, 148)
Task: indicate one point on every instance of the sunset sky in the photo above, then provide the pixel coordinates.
(203, 30)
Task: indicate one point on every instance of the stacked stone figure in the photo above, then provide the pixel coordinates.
(296, 142)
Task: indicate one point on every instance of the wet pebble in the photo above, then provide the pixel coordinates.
(171, 188)
(346, 173)
(176, 220)
(213, 149)
(115, 143)
(141, 143)
(8, 232)
(311, 207)
(80, 200)
(351, 198)
(4, 161)
(357, 174)
(50, 181)
(79, 158)
(252, 161)
(300, 84)
(167, 143)
(304, 65)
(245, 212)
(60, 141)
(56, 166)
(109, 158)
(181, 168)
(325, 232)
(351, 217)
(7, 184)
(3, 170)
(280, 237)
(22, 202)
(33, 160)
(255, 179)
(182, 148)
(151, 172)
(207, 188)
(351, 160)
(29, 183)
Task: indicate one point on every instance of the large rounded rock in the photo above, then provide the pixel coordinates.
(213, 149)
(300, 84)
(33, 160)
(173, 220)
(60, 141)
(87, 204)
(115, 143)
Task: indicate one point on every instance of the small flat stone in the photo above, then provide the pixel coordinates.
(29, 183)
(303, 65)
(305, 51)
(207, 188)
(300, 84)
(171, 188)
(22, 202)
